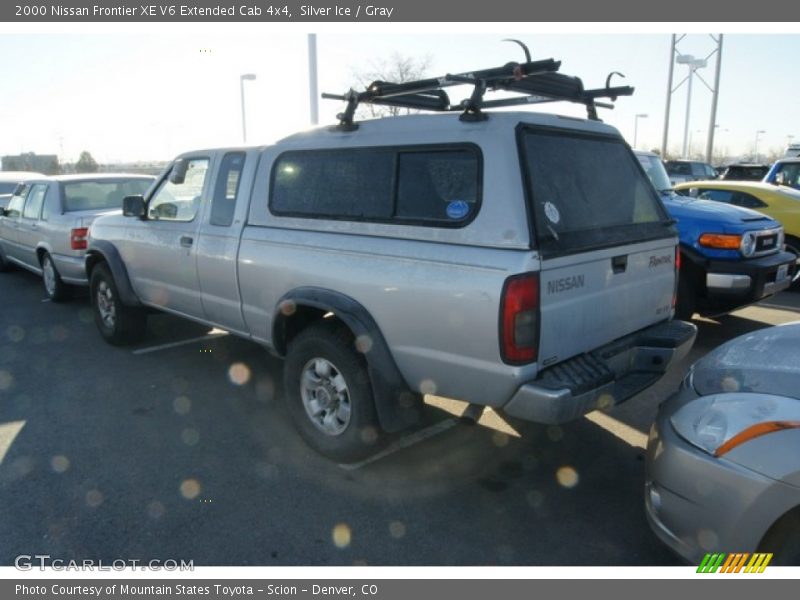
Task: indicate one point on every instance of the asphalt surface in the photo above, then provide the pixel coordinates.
(186, 452)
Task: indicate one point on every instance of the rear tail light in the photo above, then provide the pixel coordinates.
(519, 319)
(78, 238)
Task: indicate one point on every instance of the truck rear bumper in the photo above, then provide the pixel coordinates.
(603, 378)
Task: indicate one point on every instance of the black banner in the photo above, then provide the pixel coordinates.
(416, 11)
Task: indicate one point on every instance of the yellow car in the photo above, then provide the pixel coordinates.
(782, 203)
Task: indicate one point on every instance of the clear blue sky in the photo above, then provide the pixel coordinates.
(151, 95)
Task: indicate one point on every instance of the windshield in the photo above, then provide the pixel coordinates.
(102, 195)
(654, 168)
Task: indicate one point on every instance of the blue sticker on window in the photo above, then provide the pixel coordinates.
(457, 209)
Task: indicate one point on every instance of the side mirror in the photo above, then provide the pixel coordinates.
(133, 206)
(19, 189)
(178, 173)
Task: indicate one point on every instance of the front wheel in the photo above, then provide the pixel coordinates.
(793, 246)
(329, 394)
(117, 323)
(54, 287)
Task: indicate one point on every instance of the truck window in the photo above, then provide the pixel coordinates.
(602, 198)
(226, 189)
(180, 201)
(438, 187)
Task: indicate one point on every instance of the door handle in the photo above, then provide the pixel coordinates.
(619, 263)
(186, 241)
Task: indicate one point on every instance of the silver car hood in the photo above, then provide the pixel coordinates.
(765, 361)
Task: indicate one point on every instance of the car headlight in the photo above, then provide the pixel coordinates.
(719, 423)
(748, 245)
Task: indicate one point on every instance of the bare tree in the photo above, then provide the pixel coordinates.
(395, 69)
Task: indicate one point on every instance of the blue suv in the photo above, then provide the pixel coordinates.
(730, 256)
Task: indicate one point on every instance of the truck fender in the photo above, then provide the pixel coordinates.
(397, 406)
(104, 251)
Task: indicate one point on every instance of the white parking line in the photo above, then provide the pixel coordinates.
(618, 429)
(405, 442)
(210, 336)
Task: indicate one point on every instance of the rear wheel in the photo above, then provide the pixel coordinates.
(793, 246)
(329, 394)
(54, 287)
(117, 323)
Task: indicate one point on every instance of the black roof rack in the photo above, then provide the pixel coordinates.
(534, 82)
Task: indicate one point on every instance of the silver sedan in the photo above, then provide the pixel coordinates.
(45, 226)
(723, 457)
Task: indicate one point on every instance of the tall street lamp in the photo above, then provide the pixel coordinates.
(755, 145)
(636, 126)
(693, 64)
(242, 79)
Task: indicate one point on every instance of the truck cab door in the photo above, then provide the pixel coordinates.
(163, 271)
(218, 244)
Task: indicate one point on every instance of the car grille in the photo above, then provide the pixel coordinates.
(767, 242)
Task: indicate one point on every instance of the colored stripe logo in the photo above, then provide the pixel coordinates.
(735, 563)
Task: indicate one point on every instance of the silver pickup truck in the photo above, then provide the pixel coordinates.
(522, 261)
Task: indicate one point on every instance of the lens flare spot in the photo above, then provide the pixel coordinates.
(555, 433)
(239, 373)
(190, 436)
(567, 477)
(730, 384)
(94, 498)
(534, 498)
(427, 386)
(363, 343)
(15, 333)
(182, 405)
(6, 380)
(59, 333)
(288, 308)
(341, 535)
(500, 439)
(707, 539)
(59, 463)
(368, 435)
(156, 510)
(190, 488)
(397, 529)
(605, 401)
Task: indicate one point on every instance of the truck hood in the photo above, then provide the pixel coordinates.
(732, 219)
(765, 361)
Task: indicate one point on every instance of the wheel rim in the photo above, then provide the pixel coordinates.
(326, 397)
(105, 305)
(49, 276)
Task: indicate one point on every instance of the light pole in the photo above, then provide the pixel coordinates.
(755, 145)
(242, 79)
(693, 64)
(636, 126)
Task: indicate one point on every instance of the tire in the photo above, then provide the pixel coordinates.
(783, 540)
(54, 287)
(329, 394)
(687, 299)
(118, 324)
(793, 246)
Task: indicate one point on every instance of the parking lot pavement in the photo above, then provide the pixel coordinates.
(182, 450)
